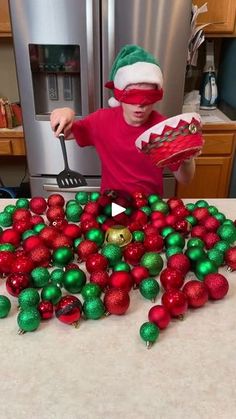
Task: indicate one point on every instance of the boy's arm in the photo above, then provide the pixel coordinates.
(61, 120)
(186, 171)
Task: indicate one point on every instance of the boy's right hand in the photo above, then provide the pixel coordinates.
(61, 120)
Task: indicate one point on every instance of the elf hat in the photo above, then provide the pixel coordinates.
(133, 65)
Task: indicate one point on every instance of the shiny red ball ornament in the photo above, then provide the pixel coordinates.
(38, 205)
(96, 262)
(92, 208)
(55, 213)
(6, 260)
(61, 240)
(198, 231)
(22, 225)
(210, 239)
(179, 262)
(73, 231)
(200, 213)
(56, 200)
(21, 214)
(22, 264)
(217, 286)
(36, 219)
(45, 309)
(180, 211)
(121, 279)
(59, 224)
(159, 223)
(17, 282)
(174, 202)
(230, 258)
(138, 274)
(160, 316)
(41, 256)
(10, 235)
(86, 248)
(171, 279)
(32, 242)
(48, 235)
(153, 243)
(139, 216)
(196, 293)
(171, 219)
(133, 253)
(116, 301)
(211, 223)
(157, 215)
(175, 302)
(68, 310)
(183, 227)
(88, 224)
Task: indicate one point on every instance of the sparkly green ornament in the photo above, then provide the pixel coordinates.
(147, 210)
(91, 291)
(39, 227)
(149, 332)
(82, 197)
(160, 206)
(27, 233)
(74, 280)
(195, 241)
(93, 309)
(204, 267)
(216, 256)
(5, 306)
(94, 196)
(138, 236)
(149, 288)
(101, 218)
(107, 210)
(222, 246)
(56, 277)
(5, 219)
(28, 320)
(7, 247)
(153, 262)
(220, 217)
(71, 202)
(62, 256)
(112, 252)
(173, 250)
(153, 198)
(191, 219)
(96, 235)
(190, 206)
(10, 209)
(174, 239)
(166, 230)
(51, 293)
(22, 203)
(228, 222)
(29, 297)
(121, 266)
(201, 203)
(212, 210)
(227, 233)
(195, 254)
(40, 276)
(73, 212)
(77, 242)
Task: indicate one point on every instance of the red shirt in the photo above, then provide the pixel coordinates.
(124, 168)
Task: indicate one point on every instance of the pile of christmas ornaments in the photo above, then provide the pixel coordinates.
(75, 261)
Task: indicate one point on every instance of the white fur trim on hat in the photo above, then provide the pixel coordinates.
(140, 72)
(112, 102)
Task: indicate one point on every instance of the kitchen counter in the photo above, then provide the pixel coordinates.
(102, 370)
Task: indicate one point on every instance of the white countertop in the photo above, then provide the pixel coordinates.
(102, 370)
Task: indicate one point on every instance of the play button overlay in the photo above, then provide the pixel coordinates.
(116, 209)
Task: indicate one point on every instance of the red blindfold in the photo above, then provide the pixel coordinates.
(138, 96)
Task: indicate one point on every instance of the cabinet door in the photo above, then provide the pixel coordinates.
(5, 26)
(211, 179)
(221, 13)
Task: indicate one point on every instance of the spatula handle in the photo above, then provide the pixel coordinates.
(63, 147)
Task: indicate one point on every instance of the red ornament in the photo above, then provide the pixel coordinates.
(87, 225)
(210, 239)
(100, 278)
(174, 202)
(116, 301)
(175, 302)
(196, 293)
(153, 243)
(138, 274)
(36, 219)
(104, 200)
(68, 310)
(121, 219)
(134, 225)
(32, 242)
(140, 202)
(140, 217)
(171, 278)
(92, 208)
(56, 200)
(10, 236)
(96, 262)
(48, 234)
(122, 280)
(55, 213)
(211, 223)
(85, 216)
(73, 231)
(21, 214)
(6, 260)
(230, 258)
(183, 227)
(171, 219)
(17, 282)
(159, 223)
(86, 248)
(217, 286)
(41, 256)
(180, 212)
(149, 229)
(201, 213)
(22, 225)
(160, 316)
(61, 240)
(71, 266)
(198, 231)
(108, 223)
(38, 205)
(180, 262)
(45, 309)
(133, 253)
(22, 264)
(59, 224)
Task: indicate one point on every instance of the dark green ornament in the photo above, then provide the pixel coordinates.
(51, 293)
(40, 277)
(91, 291)
(22, 203)
(201, 203)
(149, 332)
(94, 196)
(101, 218)
(112, 252)
(195, 241)
(149, 288)
(153, 198)
(28, 233)
(73, 212)
(5, 219)
(173, 250)
(204, 267)
(74, 280)
(62, 256)
(107, 210)
(39, 227)
(96, 235)
(5, 306)
(174, 239)
(10, 209)
(216, 256)
(7, 247)
(77, 242)
(220, 217)
(191, 219)
(138, 236)
(147, 210)
(56, 277)
(212, 210)
(71, 202)
(82, 197)
(93, 309)
(29, 297)
(160, 206)
(28, 320)
(228, 222)
(128, 211)
(121, 266)
(153, 262)
(190, 206)
(195, 254)
(227, 233)
(166, 230)
(222, 246)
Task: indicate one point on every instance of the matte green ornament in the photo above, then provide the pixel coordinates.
(82, 197)
(220, 217)
(153, 198)
(56, 277)
(101, 218)
(173, 250)
(216, 256)
(112, 252)
(93, 309)
(96, 235)
(153, 262)
(201, 203)
(71, 202)
(138, 236)
(39, 227)
(91, 291)
(166, 230)
(74, 280)
(121, 266)
(174, 239)
(160, 206)
(147, 210)
(28, 320)
(212, 210)
(10, 209)
(190, 206)
(149, 288)
(195, 254)
(73, 212)
(62, 256)
(28, 233)
(228, 222)
(40, 276)
(227, 233)
(7, 247)
(5, 219)
(149, 332)
(94, 196)
(22, 203)
(51, 293)
(195, 241)
(222, 246)
(191, 219)
(128, 211)
(77, 242)
(5, 306)
(107, 210)
(204, 267)
(29, 297)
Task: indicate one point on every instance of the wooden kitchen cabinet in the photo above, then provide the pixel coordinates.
(12, 143)
(5, 24)
(222, 15)
(213, 167)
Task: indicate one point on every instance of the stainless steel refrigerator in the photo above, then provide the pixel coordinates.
(64, 51)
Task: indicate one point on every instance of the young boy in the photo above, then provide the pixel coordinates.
(136, 81)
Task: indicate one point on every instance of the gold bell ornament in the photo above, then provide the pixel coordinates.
(119, 235)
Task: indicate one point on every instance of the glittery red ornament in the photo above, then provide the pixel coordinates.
(211, 223)
(16, 282)
(171, 219)
(116, 301)
(171, 278)
(157, 215)
(134, 225)
(108, 223)
(198, 231)
(159, 223)
(210, 239)
(36, 219)
(121, 219)
(175, 302)
(160, 316)
(22, 264)
(21, 214)
(200, 213)
(230, 258)
(10, 235)
(88, 225)
(55, 213)
(121, 279)
(100, 278)
(104, 200)
(96, 262)
(150, 229)
(174, 202)
(71, 266)
(32, 242)
(180, 262)
(61, 240)
(22, 225)
(48, 234)
(153, 242)
(6, 260)
(59, 224)
(38, 205)
(196, 293)
(180, 211)
(55, 200)
(45, 309)
(86, 248)
(72, 231)
(92, 208)
(68, 310)
(85, 216)
(140, 202)
(183, 227)
(41, 256)
(138, 195)
(139, 273)
(133, 253)
(217, 285)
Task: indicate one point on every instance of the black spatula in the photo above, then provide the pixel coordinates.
(68, 178)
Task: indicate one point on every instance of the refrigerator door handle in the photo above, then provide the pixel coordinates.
(90, 55)
(108, 43)
(55, 188)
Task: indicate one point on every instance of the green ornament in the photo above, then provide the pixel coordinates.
(10, 209)
(29, 297)
(62, 256)
(107, 210)
(227, 233)
(5, 306)
(190, 206)
(153, 262)
(121, 266)
(77, 242)
(101, 218)
(153, 198)
(228, 222)
(96, 235)
(201, 203)
(195, 241)
(220, 217)
(56, 277)
(82, 197)
(167, 230)
(149, 288)
(212, 210)
(222, 246)
(128, 211)
(149, 332)
(40, 276)
(173, 250)
(1, 229)
(204, 267)
(191, 219)
(27, 233)
(71, 202)
(74, 280)
(94, 196)
(138, 236)
(91, 291)
(5, 219)
(7, 247)
(147, 210)
(195, 254)
(216, 256)
(112, 252)
(51, 293)
(160, 206)
(73, 212)
(174, 239)
(93, 309)
(39, 227)
(28, 320)
(22, 203)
